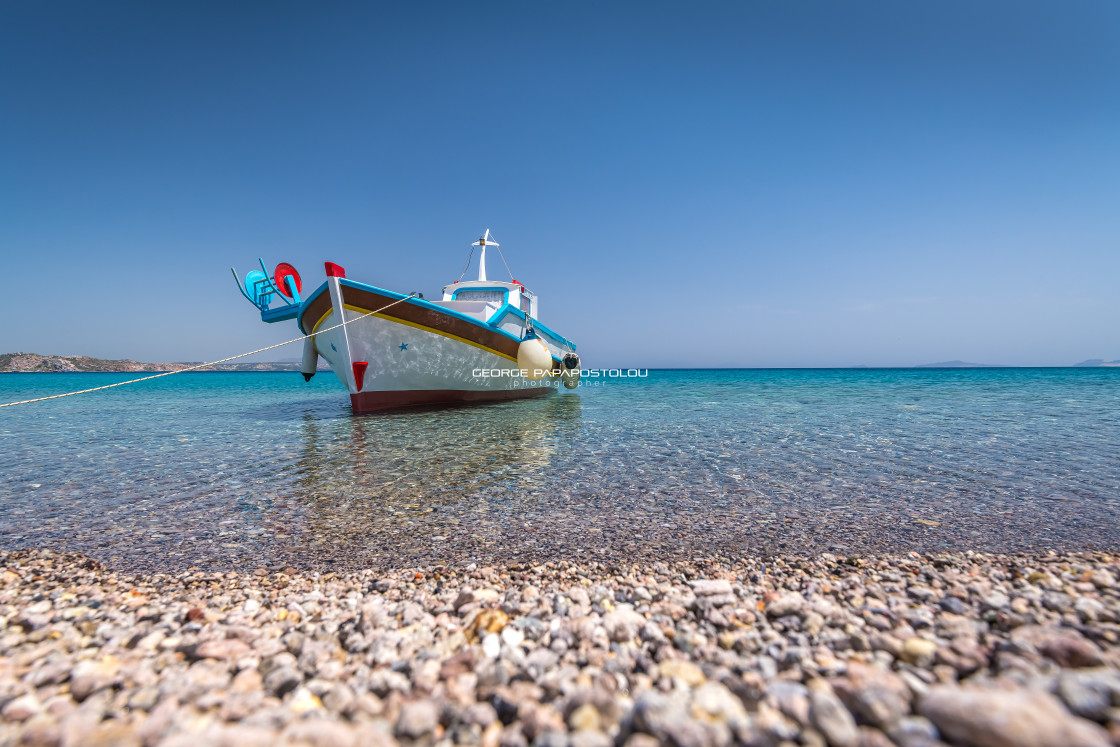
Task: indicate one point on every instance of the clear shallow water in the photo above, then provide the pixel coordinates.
(261, 470)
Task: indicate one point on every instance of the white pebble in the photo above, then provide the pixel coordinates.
(512, 636)
(491, 645)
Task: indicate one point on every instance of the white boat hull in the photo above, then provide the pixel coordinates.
(396, 351)
(408, 365)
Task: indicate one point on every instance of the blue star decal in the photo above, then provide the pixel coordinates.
(404, 346)
(334, 348)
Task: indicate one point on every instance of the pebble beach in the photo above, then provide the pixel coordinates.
(911, 650)
(769, 558)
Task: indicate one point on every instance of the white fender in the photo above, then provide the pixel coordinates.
(533, 358)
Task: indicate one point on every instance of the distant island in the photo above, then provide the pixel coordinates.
(959, 364)
(1091, 363)
(35, 363)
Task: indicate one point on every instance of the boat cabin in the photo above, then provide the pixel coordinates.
(489, 301)
(481, 299)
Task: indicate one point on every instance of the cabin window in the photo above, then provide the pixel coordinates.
(481, 295)
(526, 304)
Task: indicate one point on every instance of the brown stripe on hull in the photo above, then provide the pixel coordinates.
(372, 401)
(319, 305)
(414, 313)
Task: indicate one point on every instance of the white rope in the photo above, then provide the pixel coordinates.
(204, 365)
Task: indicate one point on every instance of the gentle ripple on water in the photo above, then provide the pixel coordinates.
(236, 469)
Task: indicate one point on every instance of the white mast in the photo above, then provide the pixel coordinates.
(483, 242)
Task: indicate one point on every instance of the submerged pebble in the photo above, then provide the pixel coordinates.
(277, 473)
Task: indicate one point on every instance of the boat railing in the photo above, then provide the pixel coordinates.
(259, 289)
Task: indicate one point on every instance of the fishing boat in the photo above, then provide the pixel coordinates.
(483, 341)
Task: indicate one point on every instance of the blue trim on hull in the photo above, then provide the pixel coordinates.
(537, 324)
(291, 312)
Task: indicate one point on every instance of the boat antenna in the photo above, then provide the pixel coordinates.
(483, 241)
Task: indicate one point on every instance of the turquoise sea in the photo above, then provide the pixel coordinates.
(251, 470)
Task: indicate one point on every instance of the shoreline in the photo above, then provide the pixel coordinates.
(912, 650)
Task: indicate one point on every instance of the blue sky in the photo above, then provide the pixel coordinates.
(684, 184)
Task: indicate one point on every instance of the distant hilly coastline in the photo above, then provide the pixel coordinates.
(1091, 363)
(1097, 363)
(35, 363)
(959, 364)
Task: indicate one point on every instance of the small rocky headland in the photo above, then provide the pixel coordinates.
(912, 650)
(35, 363)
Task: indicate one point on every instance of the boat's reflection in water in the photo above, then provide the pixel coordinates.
(367, 487)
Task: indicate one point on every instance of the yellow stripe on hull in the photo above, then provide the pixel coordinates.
(463, 340)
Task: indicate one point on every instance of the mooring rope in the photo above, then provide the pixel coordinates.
(204, 365)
